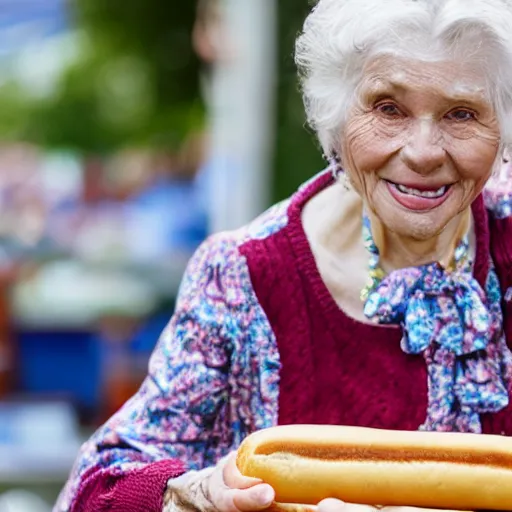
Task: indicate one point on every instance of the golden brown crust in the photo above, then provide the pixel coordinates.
(290, 507)
(306, 464)
(354, 452)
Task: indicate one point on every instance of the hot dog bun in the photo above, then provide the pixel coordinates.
(308, 463)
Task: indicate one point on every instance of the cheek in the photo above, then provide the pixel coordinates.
(368, 144)
(474, 159)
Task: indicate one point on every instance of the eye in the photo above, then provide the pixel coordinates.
(461, 115)
(388, 109)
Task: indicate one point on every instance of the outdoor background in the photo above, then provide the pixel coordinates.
(129, 131)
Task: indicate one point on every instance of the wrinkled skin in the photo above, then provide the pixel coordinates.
(219, 489)
(230, 491)
(423, 122)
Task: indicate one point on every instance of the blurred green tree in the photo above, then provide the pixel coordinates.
(15, 111)
(136, 80)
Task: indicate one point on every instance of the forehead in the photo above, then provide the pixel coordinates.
(446, 78)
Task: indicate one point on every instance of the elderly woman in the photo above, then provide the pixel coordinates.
(377, 296)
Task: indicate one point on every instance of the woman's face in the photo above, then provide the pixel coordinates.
(421, 143)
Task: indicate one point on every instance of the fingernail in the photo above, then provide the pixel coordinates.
(266, 496)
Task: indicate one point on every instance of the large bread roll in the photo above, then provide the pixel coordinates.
(308, 463)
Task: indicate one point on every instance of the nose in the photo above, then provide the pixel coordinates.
(424, 152)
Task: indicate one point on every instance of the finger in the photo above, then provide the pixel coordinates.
(233, 478)
(259, 497)
(332, 505)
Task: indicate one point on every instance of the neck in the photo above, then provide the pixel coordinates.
(398, 251)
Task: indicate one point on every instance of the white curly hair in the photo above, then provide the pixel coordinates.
(340, 36)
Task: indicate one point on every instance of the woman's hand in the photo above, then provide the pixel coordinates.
(219, 489)
(331, 505)
(230, 491)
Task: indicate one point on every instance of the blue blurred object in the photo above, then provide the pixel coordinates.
(168, 216)
(147, 336)
(63, 363)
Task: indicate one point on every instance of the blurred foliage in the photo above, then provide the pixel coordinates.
(297, 153)
(15, 111)
(135, 81)
(150, 42)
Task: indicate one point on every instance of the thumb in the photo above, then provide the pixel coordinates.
(232, 476)
(258, 497)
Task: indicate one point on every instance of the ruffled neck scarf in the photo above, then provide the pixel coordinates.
(457, 326)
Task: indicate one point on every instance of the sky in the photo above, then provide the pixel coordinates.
(25, 22)
(34, 42)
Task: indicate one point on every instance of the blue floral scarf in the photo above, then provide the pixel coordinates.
(458, 328)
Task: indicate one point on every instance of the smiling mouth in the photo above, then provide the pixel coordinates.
(418, 199)
(428, 194)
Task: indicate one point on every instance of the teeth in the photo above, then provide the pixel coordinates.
(430, 194)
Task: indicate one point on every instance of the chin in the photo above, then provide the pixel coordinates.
(417, 227)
